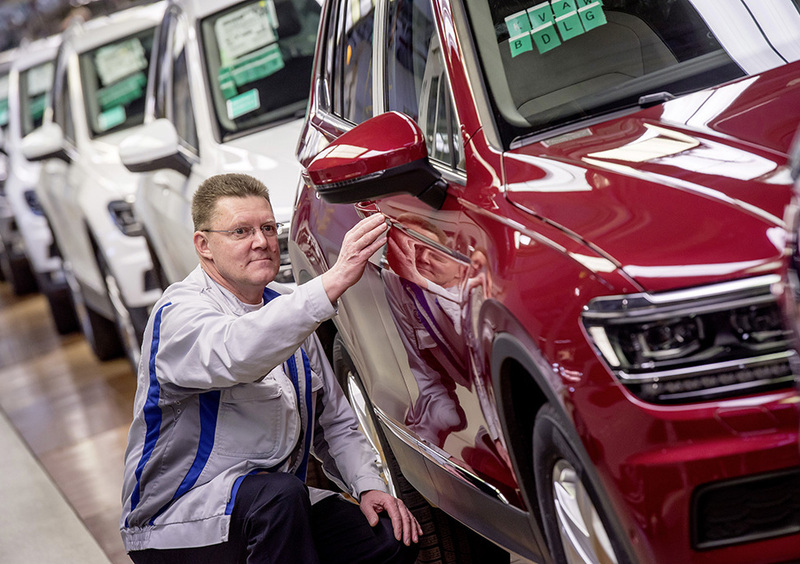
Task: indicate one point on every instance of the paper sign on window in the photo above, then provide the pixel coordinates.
(39, 79)
(119, 60)
(549, 23)
(244, 31)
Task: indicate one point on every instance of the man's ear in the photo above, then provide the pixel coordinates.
(201, 245)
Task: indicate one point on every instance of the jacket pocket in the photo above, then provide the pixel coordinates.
(258, 421)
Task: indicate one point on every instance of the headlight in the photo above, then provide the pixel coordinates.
(708, 343)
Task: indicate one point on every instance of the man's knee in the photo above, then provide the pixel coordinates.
(278, 492)
(392, 550)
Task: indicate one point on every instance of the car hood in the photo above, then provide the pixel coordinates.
(269, 155)
(688, 192)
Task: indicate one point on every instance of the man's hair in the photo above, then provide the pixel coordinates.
(204, 202)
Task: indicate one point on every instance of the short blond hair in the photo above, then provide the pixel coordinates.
(213, 188)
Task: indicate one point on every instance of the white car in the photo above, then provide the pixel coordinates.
(98, 99)
(231, 86)
(6, 58)
(30, 259)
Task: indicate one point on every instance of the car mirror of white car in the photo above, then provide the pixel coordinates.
(45, 142)
(155, 146)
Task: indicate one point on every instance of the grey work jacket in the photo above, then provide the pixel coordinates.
(214, 403)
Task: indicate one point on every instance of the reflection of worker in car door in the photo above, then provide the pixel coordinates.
(423, 287)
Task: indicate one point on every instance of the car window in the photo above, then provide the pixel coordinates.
(35, 84)
(258, 58)
(352, 70)
(62, 110)
(181, 108)
(114, 79)
(416, 80)
(555, 62)
(3, 100)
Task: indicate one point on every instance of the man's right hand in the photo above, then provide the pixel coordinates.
(360, 243)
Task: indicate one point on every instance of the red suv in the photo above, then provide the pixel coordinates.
(571, 342)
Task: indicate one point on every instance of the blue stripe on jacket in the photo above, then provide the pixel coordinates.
(152, 413)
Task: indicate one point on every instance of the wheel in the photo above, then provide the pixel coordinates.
(17, 271)
(129, 322)
(575, 526)
(63, 311)
(101, 333)
(444, 539)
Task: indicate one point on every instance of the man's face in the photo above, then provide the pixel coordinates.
(245, 264)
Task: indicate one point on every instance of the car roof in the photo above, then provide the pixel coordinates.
(30, 54)
(96, 32)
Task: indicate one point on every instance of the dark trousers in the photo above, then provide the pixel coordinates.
(273, 522)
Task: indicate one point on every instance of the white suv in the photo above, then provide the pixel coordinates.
(30, 260)
(98, 99)
(231, 82)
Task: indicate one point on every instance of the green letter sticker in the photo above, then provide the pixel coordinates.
(546, 38)
(111, 118)
(563, 7)
(540, 14)
(592, 15)
(584, 3)
(244, 103)
(518, 24)
(569, 25)
(520, 44)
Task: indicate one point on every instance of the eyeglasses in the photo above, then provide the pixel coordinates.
(241, 233)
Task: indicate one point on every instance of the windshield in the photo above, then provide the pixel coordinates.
(259, 57)
(552, 63)
(114, 79)
(35, 84)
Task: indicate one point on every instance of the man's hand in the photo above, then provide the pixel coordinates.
(360, 243)
(406, 527)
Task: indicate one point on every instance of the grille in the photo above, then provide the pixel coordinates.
(746, 510)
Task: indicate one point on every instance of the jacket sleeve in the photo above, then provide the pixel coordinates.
(346, 456)
(197, 344)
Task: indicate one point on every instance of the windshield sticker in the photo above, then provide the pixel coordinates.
(243, 104)
(3, 113)
(245, 30)
(123, 92)
(249, 69)
(39, 79)
(547, 24)
(111, 118)
(37, 105)
(116, 61)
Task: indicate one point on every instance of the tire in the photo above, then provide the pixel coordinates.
(576, 528)
(129, 322)
(63, 311)
(444, 540)
(17, 272)
(101, 333)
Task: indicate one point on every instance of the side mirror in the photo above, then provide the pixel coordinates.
(155, 146)
(45, 142)
(384, 155)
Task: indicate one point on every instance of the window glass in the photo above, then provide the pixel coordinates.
(259, 57)
(114, 79)
(35, 85)
(550, 63)
(182, 110)
(416, 81)
(4, 100)
(352, 73)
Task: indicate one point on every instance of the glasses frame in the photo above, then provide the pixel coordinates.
(250, 231)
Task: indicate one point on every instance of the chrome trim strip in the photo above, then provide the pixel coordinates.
(666, 375)
(439, 457)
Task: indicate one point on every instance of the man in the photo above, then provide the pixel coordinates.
(234, 393)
